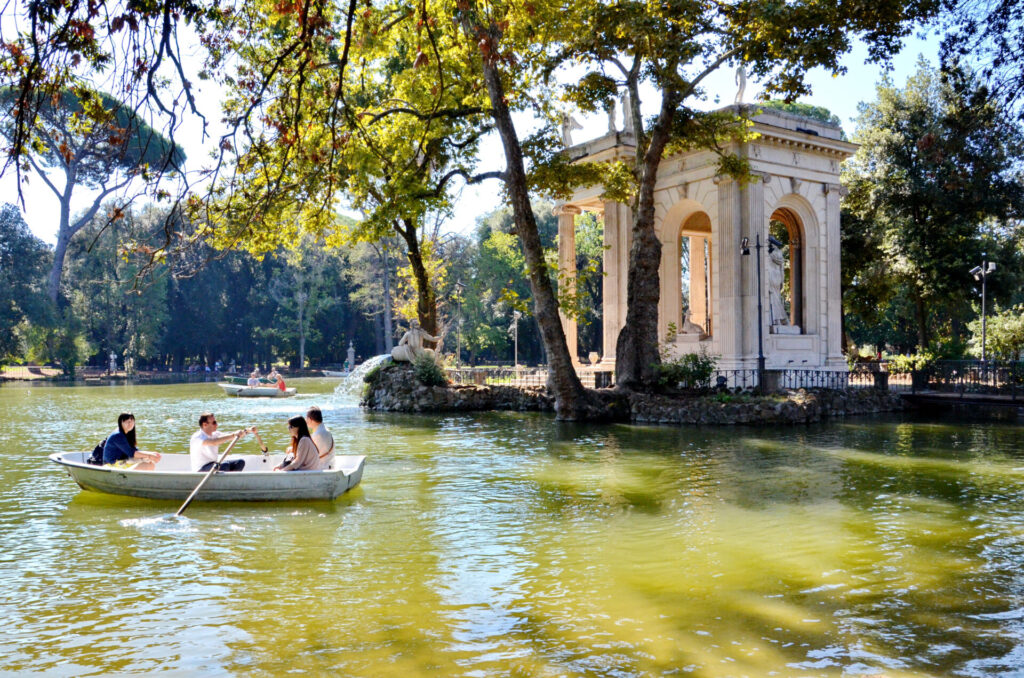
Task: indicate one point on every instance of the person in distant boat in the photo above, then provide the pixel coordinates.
(276, 379)
(254, 380)
(121, 449)
(205, 443)
(302, 455)
(322, 438)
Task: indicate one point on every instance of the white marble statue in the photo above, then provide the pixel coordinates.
(741, 80)
(611, 117)
(776, 265)
(627, 112)
(410, 346)
(690, 327)
(569, 124)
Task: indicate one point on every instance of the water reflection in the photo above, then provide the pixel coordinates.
(511, 544)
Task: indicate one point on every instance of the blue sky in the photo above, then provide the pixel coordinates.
(841, 95)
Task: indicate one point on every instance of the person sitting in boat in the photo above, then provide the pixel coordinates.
(302, 455)
(322, 438)
(205, 443)
(254, 380)
(275, 378)
(120, 448)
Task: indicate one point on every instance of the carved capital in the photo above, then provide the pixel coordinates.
(559, 210)
(834, 188)
(794, 184)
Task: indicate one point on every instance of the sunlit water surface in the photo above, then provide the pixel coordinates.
(509, 544)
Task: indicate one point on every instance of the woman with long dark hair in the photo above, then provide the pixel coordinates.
(302, 455)
(121, 447)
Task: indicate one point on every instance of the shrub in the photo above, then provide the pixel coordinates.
(428, 372)
(917, 362)
(691, 370)
(373, 375)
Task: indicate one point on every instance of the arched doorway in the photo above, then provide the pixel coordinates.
(784, 227)
(695, 274)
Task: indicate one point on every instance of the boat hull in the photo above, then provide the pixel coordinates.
(258, 482)
(257, 392)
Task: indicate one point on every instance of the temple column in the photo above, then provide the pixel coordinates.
(834, 314)
(698, 282)
(616, 267)
(567, 271)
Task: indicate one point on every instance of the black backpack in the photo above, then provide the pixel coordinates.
(96, 458)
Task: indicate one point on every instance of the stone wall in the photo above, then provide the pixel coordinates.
(395, 388)
(795, 407)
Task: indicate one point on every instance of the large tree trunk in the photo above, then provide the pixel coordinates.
(426, 300)
(302, 336)
(570, 397)
(389, 333)
(64, 235)
(922, 322)
(636, 351)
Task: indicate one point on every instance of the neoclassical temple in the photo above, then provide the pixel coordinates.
(709, 281)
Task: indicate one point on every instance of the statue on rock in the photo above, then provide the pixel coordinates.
(410, 346)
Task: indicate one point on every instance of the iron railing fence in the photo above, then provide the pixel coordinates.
(806, 378)
(734, 380)
(992, 377)
(743, 380)
(499, 376)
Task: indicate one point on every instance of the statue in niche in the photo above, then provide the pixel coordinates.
(410, 346)
(627, 112)
(610, 108)
(690, 327)
(569, 124)
(776, 276)
(741, 80)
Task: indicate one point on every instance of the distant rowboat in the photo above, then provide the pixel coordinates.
(256, 392)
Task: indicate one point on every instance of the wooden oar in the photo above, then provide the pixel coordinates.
(205, 478)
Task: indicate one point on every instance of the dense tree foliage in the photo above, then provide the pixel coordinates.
(934, 185)
(95, 142)
(23, 261)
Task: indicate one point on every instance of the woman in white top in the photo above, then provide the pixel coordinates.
(302, 455)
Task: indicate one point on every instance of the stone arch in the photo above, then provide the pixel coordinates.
(694, 237)
(669, 230)
(797, 216)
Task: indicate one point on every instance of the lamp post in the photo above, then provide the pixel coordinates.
(745, 251)
(981, 273)
(516, 315)
(459, 287)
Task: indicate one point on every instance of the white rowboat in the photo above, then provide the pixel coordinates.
(256, 392)
(173, 479)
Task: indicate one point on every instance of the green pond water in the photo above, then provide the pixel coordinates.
(512, 545)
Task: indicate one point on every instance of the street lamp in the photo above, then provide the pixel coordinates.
(516, 315)
(981, 273)
(745, 251)
(459, 287)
